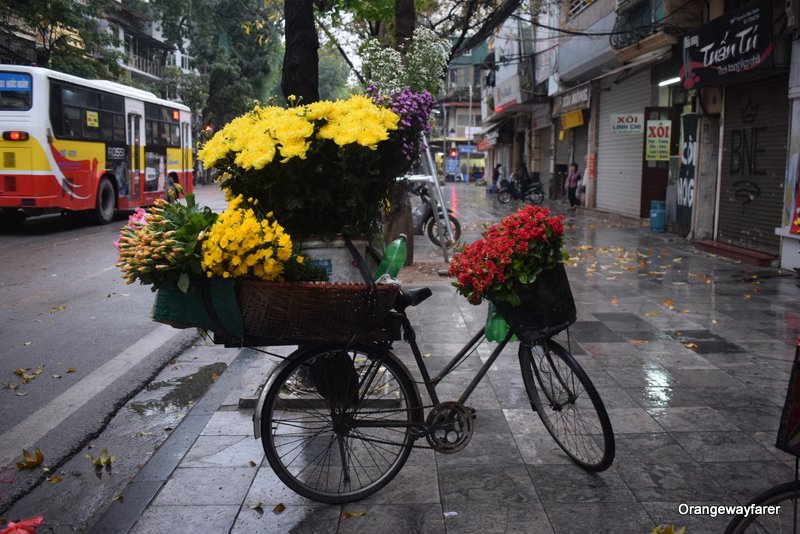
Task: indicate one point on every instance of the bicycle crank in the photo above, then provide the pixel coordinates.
(449, 427)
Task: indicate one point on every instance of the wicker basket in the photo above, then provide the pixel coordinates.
(303, 312)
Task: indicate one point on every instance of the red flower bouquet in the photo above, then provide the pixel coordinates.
(510, 257)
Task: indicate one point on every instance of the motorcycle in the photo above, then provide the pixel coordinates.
(424, 222)
(533, 192)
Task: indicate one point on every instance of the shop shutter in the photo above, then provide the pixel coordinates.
(619, 157)
(754, 164)
(580, 147)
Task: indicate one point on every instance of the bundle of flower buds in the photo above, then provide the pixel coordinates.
(161, 245)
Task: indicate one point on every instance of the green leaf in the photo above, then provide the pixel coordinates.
(523, 278)
(183, 282)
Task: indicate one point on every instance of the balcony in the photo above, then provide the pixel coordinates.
(461, 94)
(144, 65)
(644, 26)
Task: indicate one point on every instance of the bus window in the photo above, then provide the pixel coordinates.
(16, 91)
(72, 122)
(175, 135)
(106, 126)
(80, 97)
(119, 128)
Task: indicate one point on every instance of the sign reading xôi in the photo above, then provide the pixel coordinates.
(659, 133)
(627, 123)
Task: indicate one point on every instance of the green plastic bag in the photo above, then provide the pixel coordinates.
(496, 326)
(189, 310)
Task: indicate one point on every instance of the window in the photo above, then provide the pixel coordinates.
(80, 113)
(16, 91)
(574, 7)
(160, 128)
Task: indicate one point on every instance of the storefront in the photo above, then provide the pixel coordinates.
(755, 117)
(620, 142)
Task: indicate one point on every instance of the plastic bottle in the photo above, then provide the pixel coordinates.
(393, 258)
(496, 326)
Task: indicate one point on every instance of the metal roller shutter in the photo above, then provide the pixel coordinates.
(581, 147)
(619, 157)
(754, 164)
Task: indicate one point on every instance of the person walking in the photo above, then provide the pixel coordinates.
(496, 177)
(573, 181)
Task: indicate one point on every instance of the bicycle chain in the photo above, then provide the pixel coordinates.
(385, 442)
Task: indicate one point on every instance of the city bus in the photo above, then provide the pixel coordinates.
(75, 145)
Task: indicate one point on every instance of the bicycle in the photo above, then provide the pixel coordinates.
(776, 509)
(338, 421)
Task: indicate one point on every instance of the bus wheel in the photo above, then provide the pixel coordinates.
(104, 209)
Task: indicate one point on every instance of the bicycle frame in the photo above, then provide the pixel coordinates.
(430, 384)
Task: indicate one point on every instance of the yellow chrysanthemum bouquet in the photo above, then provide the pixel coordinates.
(321, 169)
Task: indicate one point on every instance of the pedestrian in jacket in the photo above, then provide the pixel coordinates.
(573, 181)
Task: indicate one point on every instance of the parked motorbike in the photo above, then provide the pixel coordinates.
(426, 224)
(533, 192)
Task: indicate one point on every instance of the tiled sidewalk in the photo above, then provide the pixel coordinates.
(691, 356)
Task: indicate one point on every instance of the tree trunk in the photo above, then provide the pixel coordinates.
(404, 20)
(300, 74)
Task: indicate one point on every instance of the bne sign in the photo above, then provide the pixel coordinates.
(627, 123)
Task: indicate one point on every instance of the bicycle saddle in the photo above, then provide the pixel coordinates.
(411, 297)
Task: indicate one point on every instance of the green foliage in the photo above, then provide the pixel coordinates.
(333, 73)
(67, 34)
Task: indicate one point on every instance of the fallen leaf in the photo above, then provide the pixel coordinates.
(57, 309)
(118, 497)
(279, 508)
(651, 314)
(714, 321)
(214, 376)
(614, 301)
(56, 375)
(55, 479)
(426, 355)
(143, 434)
(746, 296)
(348, 515)
(252, 463)
(611, 278)
(687, 311)
(677, 333)
(28, 343)
(71, 370)
(30, 459)
(638, 341)
(690, 345)
(103, 459)
(20, 393)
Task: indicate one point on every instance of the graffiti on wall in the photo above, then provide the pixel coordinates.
(746, 154)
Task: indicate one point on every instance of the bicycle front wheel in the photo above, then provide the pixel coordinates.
(336, 424)
(568, 404)
(504, 196)
(777, 513)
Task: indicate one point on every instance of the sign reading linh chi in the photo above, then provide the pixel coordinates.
(738, 42)
(627, 123)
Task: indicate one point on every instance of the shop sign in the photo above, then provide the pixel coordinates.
(627, 123)
(738, 42)
(687, 169)
(577, 98)
(540, 118)
(659, 133)
(507, 93)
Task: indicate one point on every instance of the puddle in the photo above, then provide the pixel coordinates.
(180, 392)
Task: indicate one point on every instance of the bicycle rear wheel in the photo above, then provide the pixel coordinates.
(336, 425)
(568, 404)
(785, 521)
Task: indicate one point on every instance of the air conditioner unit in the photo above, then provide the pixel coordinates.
(625, 5)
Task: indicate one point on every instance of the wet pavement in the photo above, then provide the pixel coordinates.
(690, 352)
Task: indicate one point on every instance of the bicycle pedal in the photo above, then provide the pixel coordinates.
(473, 412)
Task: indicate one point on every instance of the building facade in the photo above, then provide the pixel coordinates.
(693, 104)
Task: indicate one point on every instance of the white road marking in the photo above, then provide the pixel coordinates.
(49, 416)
